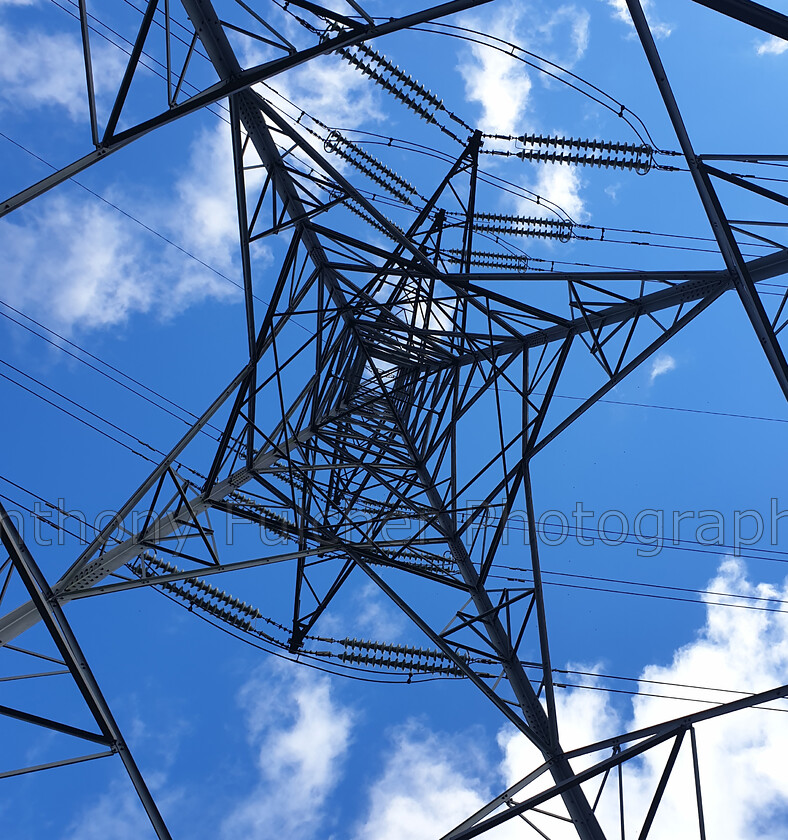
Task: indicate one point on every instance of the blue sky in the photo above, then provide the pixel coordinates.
(138, 265)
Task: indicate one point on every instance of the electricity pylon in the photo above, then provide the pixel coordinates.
(375, 361)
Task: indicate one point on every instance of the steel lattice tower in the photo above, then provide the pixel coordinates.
(374, 351)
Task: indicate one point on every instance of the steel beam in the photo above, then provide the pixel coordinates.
(706, 285)
(734, 262)
(240, 80)
(661, 731)
(432, 366)
(63, 636)
(753, 14)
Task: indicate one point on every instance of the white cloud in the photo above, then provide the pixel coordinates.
(77, 263)
(327, 88)
(504, 89)
(659, 29)
(300, 736)
(207, 222)
(772, 46)
(115, 815)
(82, 265)
(335, 93)
(663, 363)
(332, 90)
(496, 81)
(428, 785)
(741, 756)
(620, 10)
(560, 185)
(43, 69)
(502, 85)
(376, 617)
(577, 21)
(580, 31)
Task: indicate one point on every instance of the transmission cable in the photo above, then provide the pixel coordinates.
(101, 372)
(101, 361)
(160, 452)
(632, 404)
(87, 423)
(56, 525)
(156, 233)
(651, 595)
(619, 110)
(651, 682)
(676, 543)
(81, 419)
(632, 693)
(530, 196)
(299, 659)
(127, 52)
